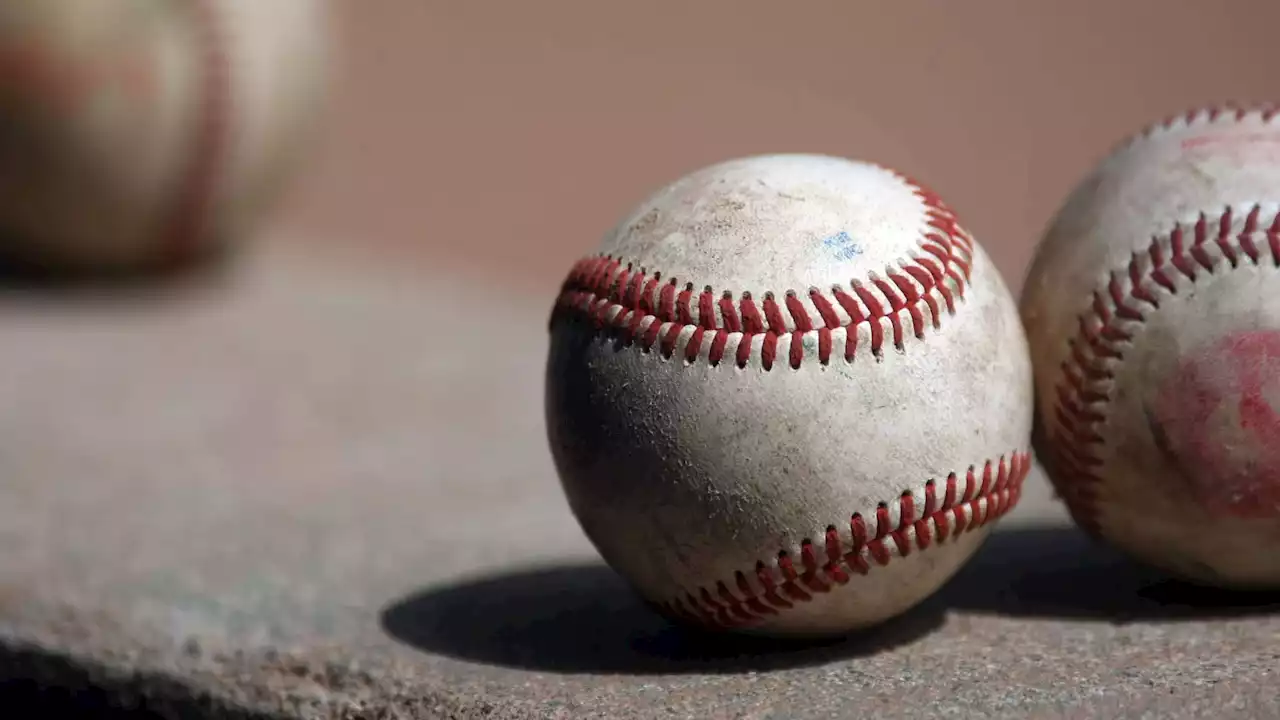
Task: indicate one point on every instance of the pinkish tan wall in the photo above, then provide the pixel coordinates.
(503, 138)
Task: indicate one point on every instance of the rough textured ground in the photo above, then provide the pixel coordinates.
(311, 488)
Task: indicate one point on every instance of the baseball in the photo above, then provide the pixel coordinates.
(1153, 314)
(789, 395)
(139, 133)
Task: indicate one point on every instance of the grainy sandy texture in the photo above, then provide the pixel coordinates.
(311, 488)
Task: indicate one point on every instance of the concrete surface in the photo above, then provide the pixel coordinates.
(311, 487)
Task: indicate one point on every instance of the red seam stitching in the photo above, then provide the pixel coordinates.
(195, 192)
(1209, 113)
(607, 291)
(1083, 392)
(769, 590)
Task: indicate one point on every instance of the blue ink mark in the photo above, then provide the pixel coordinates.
(843, 246)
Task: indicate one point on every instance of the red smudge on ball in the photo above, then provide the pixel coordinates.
(1216, 418)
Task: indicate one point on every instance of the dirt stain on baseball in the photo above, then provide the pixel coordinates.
(1216, 419)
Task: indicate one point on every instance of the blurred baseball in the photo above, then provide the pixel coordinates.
(137, 133)
(1153, 315)
(789, 396)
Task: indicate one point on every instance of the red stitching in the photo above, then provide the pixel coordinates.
(1227, 110)
(1231, 110)
(607, 290)
(840, 555)
(1083, 393)
(195, 192)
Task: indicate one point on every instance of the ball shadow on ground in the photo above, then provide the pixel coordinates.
(585, 618)
(575, 618)
(1059, 572)
(19, 274)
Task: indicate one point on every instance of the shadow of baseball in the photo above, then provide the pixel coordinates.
(1059, 572)
(197, 269)
(585, 618)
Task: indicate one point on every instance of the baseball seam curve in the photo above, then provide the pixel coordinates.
(771, 588)
(1226, 110)
(198, 181)
(626, 301)
(1083, 392)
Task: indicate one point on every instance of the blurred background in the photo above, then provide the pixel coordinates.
(501, 140)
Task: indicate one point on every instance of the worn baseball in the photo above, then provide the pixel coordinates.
(1153, 313)
(138, 133)
(789, 395)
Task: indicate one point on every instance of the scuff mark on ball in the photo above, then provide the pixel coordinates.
(1216, 419)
